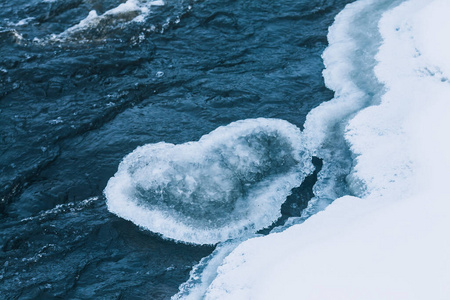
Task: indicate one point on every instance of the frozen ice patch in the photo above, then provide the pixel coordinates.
(231, 183)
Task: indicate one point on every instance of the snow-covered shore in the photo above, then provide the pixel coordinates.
(391, 239)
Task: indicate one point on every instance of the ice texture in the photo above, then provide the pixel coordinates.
(205, 271)
(349, 60)
(391, 239)
(229, 184)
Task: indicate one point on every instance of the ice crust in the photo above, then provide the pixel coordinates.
(229, 184)
(388, 62)
(349, 61)
(205, 272)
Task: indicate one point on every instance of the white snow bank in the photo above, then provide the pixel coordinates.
(393, 242)
(352, 250)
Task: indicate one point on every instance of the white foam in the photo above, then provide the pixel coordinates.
(22, 22)
(393, 241)
(229, 184)
(63, 208)
(129, 11)
(90, 21)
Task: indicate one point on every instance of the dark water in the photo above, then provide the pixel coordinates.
(73, 105)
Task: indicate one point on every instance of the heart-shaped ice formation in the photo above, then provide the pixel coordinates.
(230, 183)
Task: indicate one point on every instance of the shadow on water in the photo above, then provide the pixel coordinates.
(298, 200)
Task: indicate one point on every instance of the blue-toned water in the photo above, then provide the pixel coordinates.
(83, 83)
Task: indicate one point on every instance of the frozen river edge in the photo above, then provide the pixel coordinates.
(390, 239)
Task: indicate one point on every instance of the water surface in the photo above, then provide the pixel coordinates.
(75, 99)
